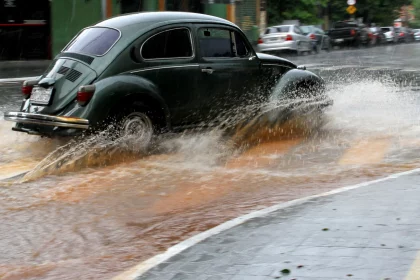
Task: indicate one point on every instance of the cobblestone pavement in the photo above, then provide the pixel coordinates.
(366, 233)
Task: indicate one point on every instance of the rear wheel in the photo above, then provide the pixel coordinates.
(139, 125)
(136, 129)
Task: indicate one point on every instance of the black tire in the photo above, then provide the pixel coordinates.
(317, 48)
(329, 47)
(356, 43)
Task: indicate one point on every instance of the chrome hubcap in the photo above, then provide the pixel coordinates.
(139, 127)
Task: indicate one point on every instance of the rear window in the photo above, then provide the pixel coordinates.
(386, 29)
(306, 29)
(277, 29)
(344, 24)
(94, 41)
(283, 29)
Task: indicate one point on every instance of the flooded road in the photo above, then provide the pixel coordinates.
(91, 209)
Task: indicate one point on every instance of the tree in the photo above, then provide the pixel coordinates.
(307, 11)
(381, 12)
(416, 4)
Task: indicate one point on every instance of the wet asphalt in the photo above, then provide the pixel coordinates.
(366, 233)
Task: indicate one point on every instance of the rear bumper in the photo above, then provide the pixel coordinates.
(47, 120)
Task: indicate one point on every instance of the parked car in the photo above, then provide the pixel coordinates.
(377, 36)
(349, 33)
(389, 34)
(320, 40)
(284, 38)
(404, 35)
(416, 34)
(155, 72)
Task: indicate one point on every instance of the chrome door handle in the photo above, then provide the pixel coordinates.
(207, 70)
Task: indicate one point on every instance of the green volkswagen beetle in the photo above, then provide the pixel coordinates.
(156, 72)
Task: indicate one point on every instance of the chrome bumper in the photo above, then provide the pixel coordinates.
(57, 121)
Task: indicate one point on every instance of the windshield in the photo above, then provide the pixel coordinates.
(94, 41)
(306, 29)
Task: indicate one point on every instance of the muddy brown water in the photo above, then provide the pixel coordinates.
(92, 209)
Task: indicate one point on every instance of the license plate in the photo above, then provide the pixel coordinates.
(41, 96)
(339, 40)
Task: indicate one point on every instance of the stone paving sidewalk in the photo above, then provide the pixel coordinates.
(371, 232)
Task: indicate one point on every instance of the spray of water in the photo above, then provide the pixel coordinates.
(362, 108)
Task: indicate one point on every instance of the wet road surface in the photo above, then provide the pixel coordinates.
(335, 236)
(89, 212)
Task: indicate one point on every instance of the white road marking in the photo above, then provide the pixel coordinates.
(146, 265)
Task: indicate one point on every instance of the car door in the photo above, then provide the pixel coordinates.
(229, 69)
(168, 59)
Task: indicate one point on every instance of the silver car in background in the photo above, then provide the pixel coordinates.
(389, 33)
(284, 38)
(416, 34)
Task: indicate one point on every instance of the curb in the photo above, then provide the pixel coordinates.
(146, 265)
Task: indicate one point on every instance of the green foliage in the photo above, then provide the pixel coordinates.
(416, 23)
(307, 11)
(381, 12)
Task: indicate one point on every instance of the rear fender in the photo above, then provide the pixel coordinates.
(120, 92)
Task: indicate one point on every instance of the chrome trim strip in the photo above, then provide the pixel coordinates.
(59, 121)
(164, 67)
(164, 58)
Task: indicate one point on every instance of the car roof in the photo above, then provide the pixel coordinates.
(133, 25)
(147, 18)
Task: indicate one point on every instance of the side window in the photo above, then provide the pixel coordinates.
(215, 42)
(174, 43)
(240, 46)
(297, 30)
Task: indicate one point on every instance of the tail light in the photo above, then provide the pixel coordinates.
(85, 94)
(289, 37)
(370, 35)
(401, 34)
(27, 87)
(352, 32)
(312, 36)
(260, 41)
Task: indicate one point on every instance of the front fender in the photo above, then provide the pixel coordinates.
(119, 92)
(297, 92)
(297, 83)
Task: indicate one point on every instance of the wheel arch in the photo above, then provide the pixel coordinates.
(114, 94)
(298, 83)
